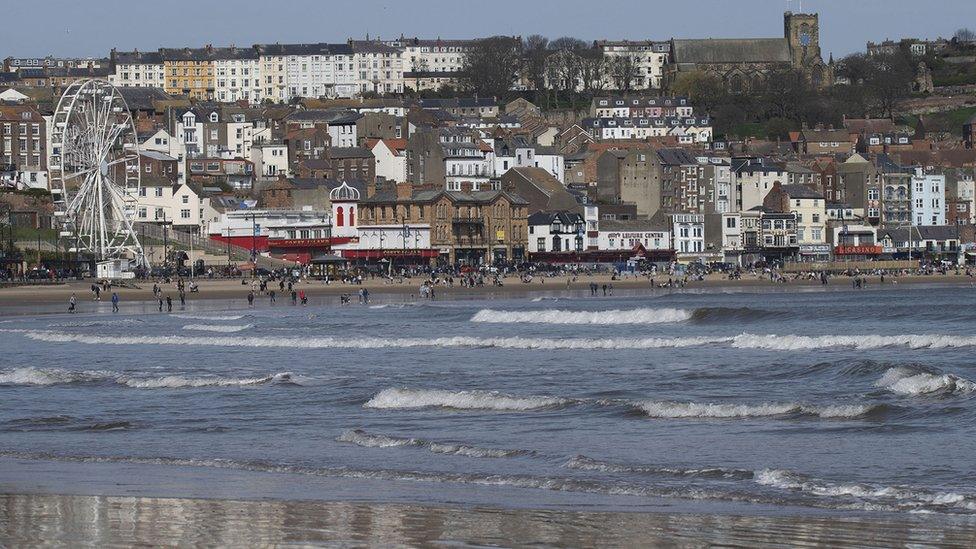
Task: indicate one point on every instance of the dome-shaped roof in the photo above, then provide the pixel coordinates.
(344, 193)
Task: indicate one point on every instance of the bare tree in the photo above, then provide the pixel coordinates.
(965, 35)
(624, 70)
(491, 67)
(536, 52)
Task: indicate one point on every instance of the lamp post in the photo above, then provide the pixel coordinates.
(165, 242)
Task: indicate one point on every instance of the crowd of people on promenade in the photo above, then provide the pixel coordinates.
(285, 282)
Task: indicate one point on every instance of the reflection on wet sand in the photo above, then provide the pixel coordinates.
(30, 520)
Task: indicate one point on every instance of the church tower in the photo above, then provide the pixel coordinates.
(803, 35)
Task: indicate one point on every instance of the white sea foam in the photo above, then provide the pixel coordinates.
(208, 317)
(379, 342)
(178, 382)
(367, 440)
(904, 381)
(903, 497)
(797, 342)
(584, 463)
(681, 410)
(396, 399)
(557, 316)
(48, 376)
(220, 328)
(57, 376)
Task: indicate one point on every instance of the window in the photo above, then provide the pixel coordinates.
(730, 222)
(159, 191)
(186, 199)
(540, 244)
(185, 214)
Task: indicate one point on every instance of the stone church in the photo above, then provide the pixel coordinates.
(743, 63)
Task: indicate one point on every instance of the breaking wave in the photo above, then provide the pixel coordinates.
(695, 410)
(805, 491)
(556, 316)
(904, 381)
(209, 317)
(405, 399)
(901, 497)
(57, 376)
(367, 440)
(93, 323)
(218, 328)
(49, 376)
(584, 463)
(379, 342)
(797, 342)
(742, 341)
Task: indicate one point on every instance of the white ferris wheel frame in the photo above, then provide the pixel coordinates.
(95, 171)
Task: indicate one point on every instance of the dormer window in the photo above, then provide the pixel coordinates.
(213, 117)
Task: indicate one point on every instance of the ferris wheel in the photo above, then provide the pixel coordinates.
(94, 171)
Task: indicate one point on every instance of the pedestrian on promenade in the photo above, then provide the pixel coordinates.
(115, 302)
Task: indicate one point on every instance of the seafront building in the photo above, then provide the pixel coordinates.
(269, 133)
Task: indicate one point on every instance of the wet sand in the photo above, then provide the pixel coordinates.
(62, 520)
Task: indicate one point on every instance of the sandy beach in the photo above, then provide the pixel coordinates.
(43, 298)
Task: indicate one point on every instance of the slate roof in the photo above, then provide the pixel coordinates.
(800, 191)
(547, 218)
(141, 99)
(731, 50)
(338, 153)
(320, 48)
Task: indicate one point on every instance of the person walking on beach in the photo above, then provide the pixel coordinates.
(365, 296)
(169, 304)
(71, 303)
(604, 290)
(250, 298)
(303, 298)
(294, 297)
(272, 295)
(160, 298)
(115, 302)
(611, 290)
(182, 298)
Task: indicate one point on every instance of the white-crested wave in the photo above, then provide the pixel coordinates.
(58, 376)
(208, 317)
(901, 497)
(380, 342)
(93, 323)
(367, 440)
(49, 376)
(397, 399)
(557, 316)
(745, 341)
(904, 381)
(798, 343)
(584, 463)
(696, 410)
(220, 328)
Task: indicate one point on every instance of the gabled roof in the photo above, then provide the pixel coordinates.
(548, 217)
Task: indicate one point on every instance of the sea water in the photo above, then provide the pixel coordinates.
(837, 402)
